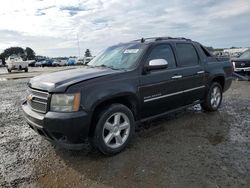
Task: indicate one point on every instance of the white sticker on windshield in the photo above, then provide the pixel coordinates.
(131, 51)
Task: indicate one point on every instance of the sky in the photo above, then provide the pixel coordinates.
(56, 27)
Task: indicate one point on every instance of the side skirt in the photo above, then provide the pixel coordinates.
(169, 112)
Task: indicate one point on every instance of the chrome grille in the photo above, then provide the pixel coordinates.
(37, 100)
(242, 64)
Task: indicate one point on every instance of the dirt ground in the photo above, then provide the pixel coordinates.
(186, 149)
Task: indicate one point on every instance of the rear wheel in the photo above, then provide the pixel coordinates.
(213, 98)
(114, 129)
(8, 70)
(26, 69)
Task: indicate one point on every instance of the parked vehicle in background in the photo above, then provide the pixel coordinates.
(40, 63)
(59, 63)
(84, 60)
(242, 63)
(80, 61)
(87, 60)
(221, 54)
(71, 61)
(127, 84)
(31, 63)
(49, 62)
(44, 63)
(15, 62)
(63, 61)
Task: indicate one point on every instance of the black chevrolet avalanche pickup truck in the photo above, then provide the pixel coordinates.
(125, 85)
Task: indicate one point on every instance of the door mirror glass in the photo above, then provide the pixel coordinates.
(156, 64)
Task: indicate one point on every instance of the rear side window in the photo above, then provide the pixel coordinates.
(187, 55)
(163, 51)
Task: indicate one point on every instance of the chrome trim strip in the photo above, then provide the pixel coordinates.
(39, 111)
(200, 72)
(187, 90)
(36, 96)
(176, 93)
(163, 96)
(40, 102)
(177, 76)
(38, 91)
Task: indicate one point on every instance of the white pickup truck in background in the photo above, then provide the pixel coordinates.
(15, 62)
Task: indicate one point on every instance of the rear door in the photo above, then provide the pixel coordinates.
(192, 72)
(160, 90)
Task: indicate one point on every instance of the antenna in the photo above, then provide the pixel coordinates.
(78, 45)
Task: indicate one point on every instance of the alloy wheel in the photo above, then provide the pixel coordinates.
(215, 97)
(116, 130)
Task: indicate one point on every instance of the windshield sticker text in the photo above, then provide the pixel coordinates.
(131, 51)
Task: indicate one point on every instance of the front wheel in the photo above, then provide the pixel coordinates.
(114, 129)
(213, 98)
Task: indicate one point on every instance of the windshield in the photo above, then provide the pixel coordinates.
(245, 55)
(122, 56)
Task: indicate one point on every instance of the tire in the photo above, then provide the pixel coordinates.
(26, 70)
(114, 129)
(213, 98)
(9, 71)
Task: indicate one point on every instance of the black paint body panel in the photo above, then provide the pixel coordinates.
(152, 93)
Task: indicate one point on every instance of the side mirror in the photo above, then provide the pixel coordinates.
(156, 64)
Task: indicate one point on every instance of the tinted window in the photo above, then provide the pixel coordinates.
(163, 51)
(187, 55)
(206, 51)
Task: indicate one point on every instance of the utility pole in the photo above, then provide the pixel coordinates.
(78, 45)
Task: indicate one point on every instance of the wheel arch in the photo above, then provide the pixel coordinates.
(128, 100)
(220, 79)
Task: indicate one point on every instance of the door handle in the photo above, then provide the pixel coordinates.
(200, 72)
(176, 76)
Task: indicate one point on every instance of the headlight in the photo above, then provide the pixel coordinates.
(65, 102)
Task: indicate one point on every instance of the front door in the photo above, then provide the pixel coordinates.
(161, 90)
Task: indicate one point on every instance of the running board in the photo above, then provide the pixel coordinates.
(169, 112)
(245, 78)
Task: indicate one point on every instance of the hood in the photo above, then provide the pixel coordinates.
(59, 81)
(240, 60)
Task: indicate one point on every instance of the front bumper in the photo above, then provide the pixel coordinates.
(69, 130)
(14, 67)
(245, 69)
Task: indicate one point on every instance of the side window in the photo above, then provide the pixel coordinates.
(187, 55)
(205, 51)
(163, 51)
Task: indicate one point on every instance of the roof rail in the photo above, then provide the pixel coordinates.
(142, 40)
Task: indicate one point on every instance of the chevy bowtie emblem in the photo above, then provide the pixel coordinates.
(242, 64)
(29, 97)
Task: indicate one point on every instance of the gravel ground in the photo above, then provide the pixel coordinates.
(187, 149)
